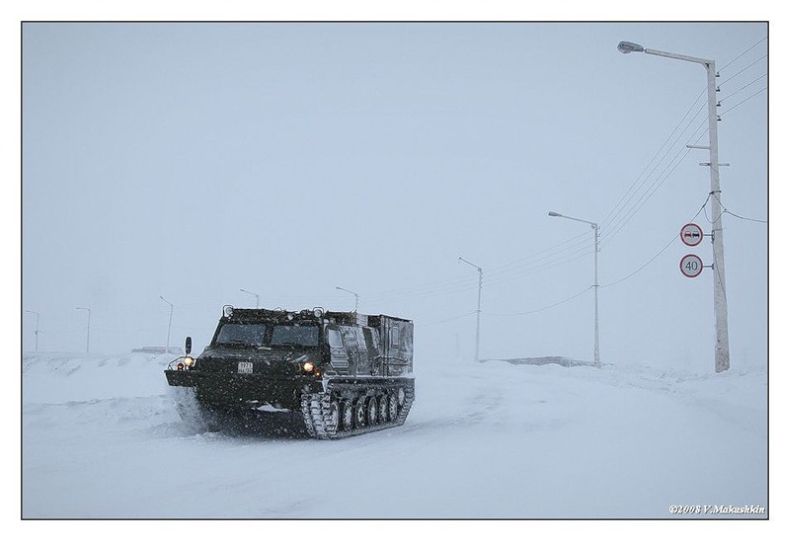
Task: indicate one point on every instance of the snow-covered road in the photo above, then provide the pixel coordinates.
(102, 439)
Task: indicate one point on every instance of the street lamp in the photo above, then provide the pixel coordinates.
(479, 295)
(88, 341)
(596, 229)
(626, 47)
(257, 297)
(36, 331)
(356, 297)
(722, 347)
(169, 323)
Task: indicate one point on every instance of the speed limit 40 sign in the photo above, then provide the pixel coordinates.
(691, 266)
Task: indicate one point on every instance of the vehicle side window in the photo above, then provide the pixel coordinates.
(333, 336)
(369, 343)
(362, 349)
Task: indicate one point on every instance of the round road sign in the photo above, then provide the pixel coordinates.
(691, 234)
(691, 266)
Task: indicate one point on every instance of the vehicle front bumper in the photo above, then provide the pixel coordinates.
(242, 390)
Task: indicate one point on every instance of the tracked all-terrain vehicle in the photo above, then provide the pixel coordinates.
(344, 373)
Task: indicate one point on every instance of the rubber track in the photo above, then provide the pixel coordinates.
(317, 416)
(307, 415)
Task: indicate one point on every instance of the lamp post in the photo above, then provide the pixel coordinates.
(257, 297)
(479, 296)
(722, 347)
(35, 333)
(88, 341)
(356, 296)
(169, 323)
(596, 229)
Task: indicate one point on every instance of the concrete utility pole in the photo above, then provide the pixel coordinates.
(257, 297)
(596, 229)
(479, 296)
(35, 333)
(169, 324)
(88, 342)
(722, 347)
(356, 297)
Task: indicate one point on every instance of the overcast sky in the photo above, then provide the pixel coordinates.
(192, 160)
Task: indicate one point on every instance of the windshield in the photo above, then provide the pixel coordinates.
(241, 334)
(263, 335)
(286, 335)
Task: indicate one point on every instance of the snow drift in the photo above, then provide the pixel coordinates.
(102, 438)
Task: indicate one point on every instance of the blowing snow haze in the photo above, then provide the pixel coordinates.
(193, 160)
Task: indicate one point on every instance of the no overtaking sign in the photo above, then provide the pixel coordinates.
(691, 234)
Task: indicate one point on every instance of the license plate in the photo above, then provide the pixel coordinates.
(245, 367)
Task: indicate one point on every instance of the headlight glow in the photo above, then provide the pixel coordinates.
(189, 362)
(308, 366)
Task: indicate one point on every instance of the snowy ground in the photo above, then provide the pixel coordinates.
(102, 439)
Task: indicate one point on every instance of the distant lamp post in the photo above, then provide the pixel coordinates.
(35, 333)
(88, 340)
(596, 229)
(722, 345)
(479, 297)
(257, 297)
(169, 323)
(356, 296)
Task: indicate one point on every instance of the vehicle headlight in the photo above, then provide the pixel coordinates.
(189, 362)
(308, 366)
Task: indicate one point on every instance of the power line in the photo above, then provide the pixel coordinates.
(742, 53)
(548, 259)
(619, 216)
(580, 293)
(657, 165)
(731, 94)
(649, 261)
(743, 101)
(618, 223)
(425, 289)
(708, 217)
(575, 249)
(704, 207)
(661, 251)
(656, 184)
(517, 267)
(652, 189)
(727, 211)
(520, 273)
(744, 217)
(731, 77)
(516, 262)
(538, 264)
(584, 252)
(453, 318)
(610, 215)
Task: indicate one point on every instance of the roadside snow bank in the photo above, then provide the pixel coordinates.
(102, 438)
(63, 377)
